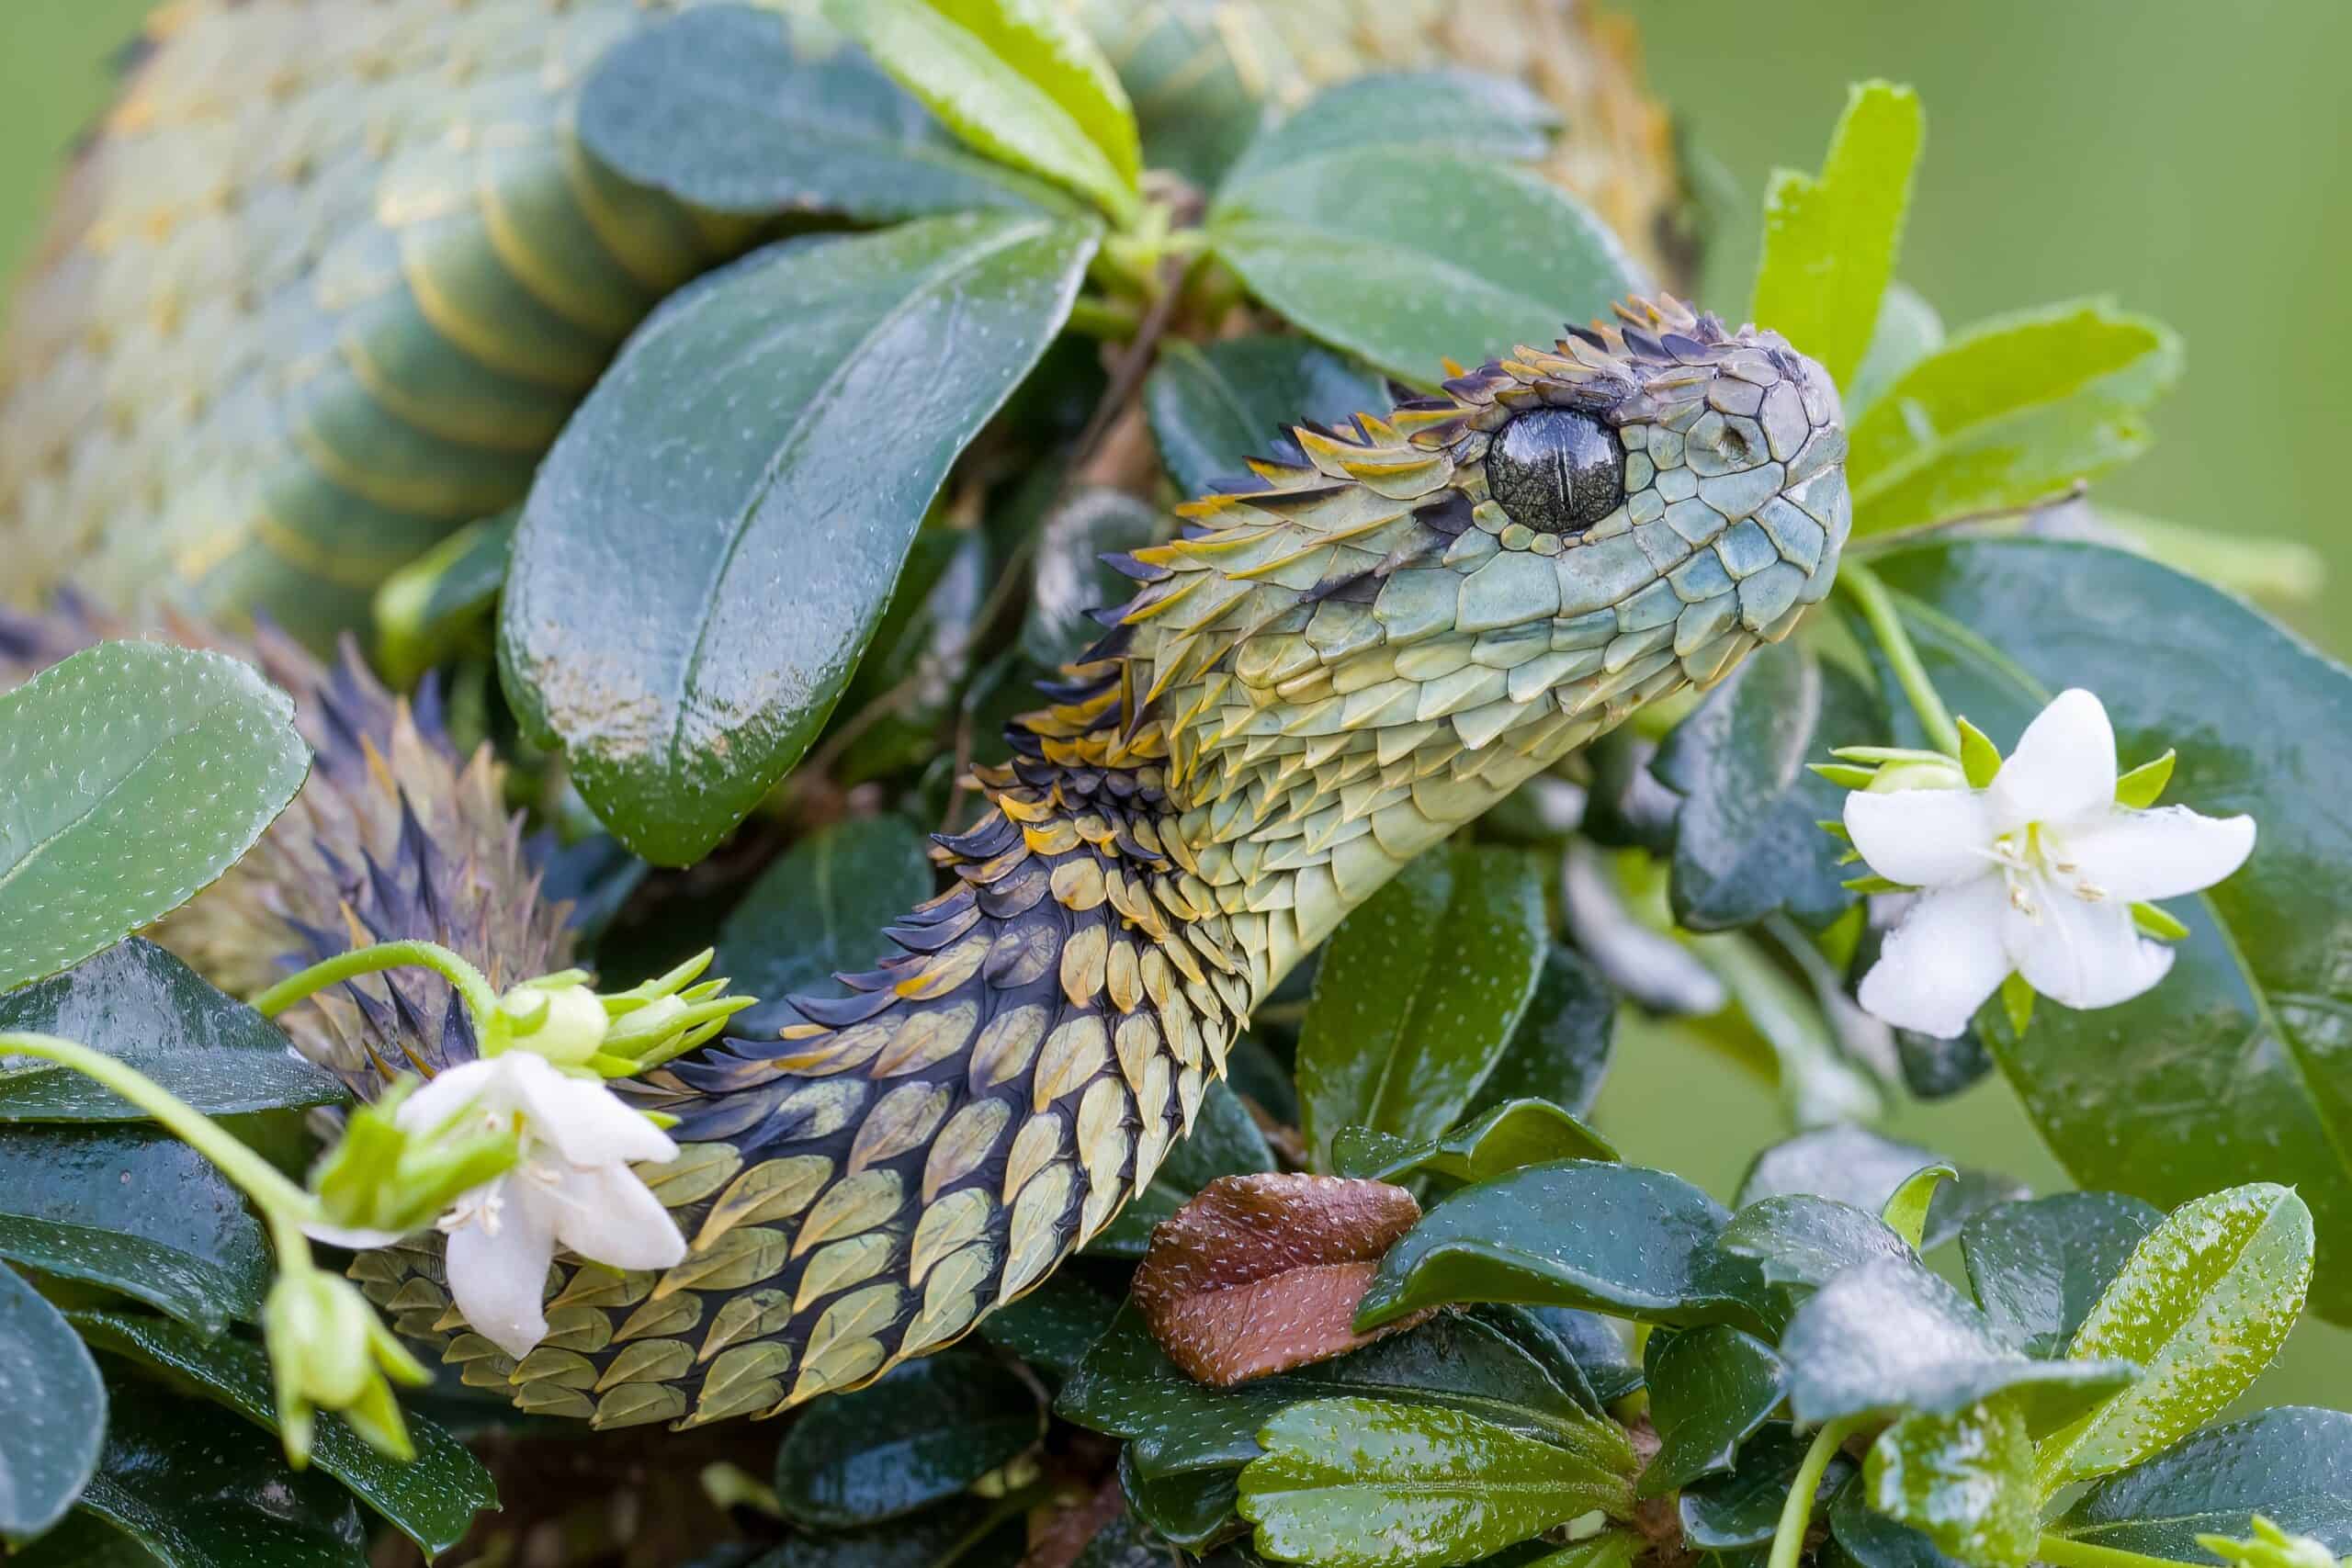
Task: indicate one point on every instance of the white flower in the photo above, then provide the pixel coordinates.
(2035, 873)
(572, 1185)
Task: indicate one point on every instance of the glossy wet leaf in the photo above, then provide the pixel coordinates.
(1017, 79)
(431, 1499)
(924, 1432)
(674, 627)
(1192, 1509)
(1516, 1134)
(1224, 1142)
(139, 1004)
(970, 1532)
(53, 1407)
(1746, 840)
(1053, 1325)
(1864, 1168)
(1711, 1388)
(1599, 1347)
(1830, 240)
(1888, 1336)
(1560, 1050)
(2203, 1305)
(2226, 1072)
(1070, 579)
(1798, 1239)
(1963, 1480)
(1468, 111)
(1403, 257)
(1259, 1274)
(2038, 1267)
(438, 607)
(134, 1210)
(1726, 1512)
(1213, 406)
(1869, 1538)
(1621, 1240)
(1418, 993)
(2292, 1464)
(2012, 411)
(819, 911)
(739, 111)
(200, 1491)
(1368, 1484)
(136, 774)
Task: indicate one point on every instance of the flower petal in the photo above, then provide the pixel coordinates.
(2135, 856)
(2081, 953)
(605, 1214)
(587, 1122)
(1922, 837)
(355, 1238)
(1941, 963)
(2064, 768)
(443, 1098)
(498, 1277)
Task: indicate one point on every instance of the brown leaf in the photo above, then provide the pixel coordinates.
(1259, 1274)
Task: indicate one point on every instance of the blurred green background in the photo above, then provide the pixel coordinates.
(2195, 161)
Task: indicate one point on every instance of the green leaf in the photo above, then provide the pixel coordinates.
(1726, 1512)
(1906, 1212)
(1465, 111)
(971, 1532)
(1560, 1050)
(1516, 1134)
(1865, 1169)
(135, 774)
(1053, 1325)
(1193, 1510)
(141, 1005)
(1016, 79)
(1798, 1239)
(2293, 1465)
(1367, 1484)
(740, 110)
(200, 1491)
(668, 621)
(1745, 841)
(2203, 1305)
(1888, 1336)
(2037, 1267)
(1417, 992)
(927, 1431)
(1213, 406)
(1908, 330)
(1962, 1480)
(1069, 579)
(440, 604)
(53, 1407)
(1711, 1388)
(1407, 257)
(2012, 411)
(1874, 1540)
(2228, 1070)
(1613, 1239)
(1224, 1142)
(137, 1210)
(431, 1499)
(1830, 241)
(819, 911)
(1594, 1343)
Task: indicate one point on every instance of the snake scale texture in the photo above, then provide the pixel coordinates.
(332, 279)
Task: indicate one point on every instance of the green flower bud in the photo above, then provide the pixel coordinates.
(329, 1351)
(2270, 1547)
(555, 1016)
(382, 1178)
(1938, 773)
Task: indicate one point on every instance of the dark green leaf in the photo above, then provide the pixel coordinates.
(1135, 1540)
(2037, 1267)
(1560, 1050)
(1597, 1348)
(1746, 840)
(1224, 1142)
(1862, 1167)
(1963, 1480)
(1872, 1540)
(1053, 1325)
(2292, 1465)
(970, 1532)
(1405, 257)
(1614, 1238)
(200, 1491)
(668, 620)
(1888, 1336)
(1194, 1510)
(2227, 1071)
(819, 911)
(740, 110)
(84, 1540)
(1798, 1239)
(1197, 98)
(1710, 1388)
(1516, 1134)
(1070, 579)
(431, 1499)
(439, 604)
(924, 1432)
(134, 1210)
(1213, 406)
(1490, 117)
(1418, 993)
(1728, 1512)
(136, 774)
(1368, 1484)
(141, 1005)
(53, 1407)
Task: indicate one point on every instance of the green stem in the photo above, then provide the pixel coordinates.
(2062, 1551)
(480, 1000)
(284, 1204)
(1788, 1542)
(1863, 586)
(1112, 321)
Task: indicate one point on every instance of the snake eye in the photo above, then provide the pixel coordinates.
(1556, 471)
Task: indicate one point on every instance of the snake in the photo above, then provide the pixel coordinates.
(1341, 659)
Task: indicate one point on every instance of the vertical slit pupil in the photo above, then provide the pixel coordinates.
(1555, 471)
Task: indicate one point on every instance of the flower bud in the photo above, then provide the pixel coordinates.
(2270, 1547)
(382, 1181)
(329, 1351)
(1937, 774)
(555, 1016)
